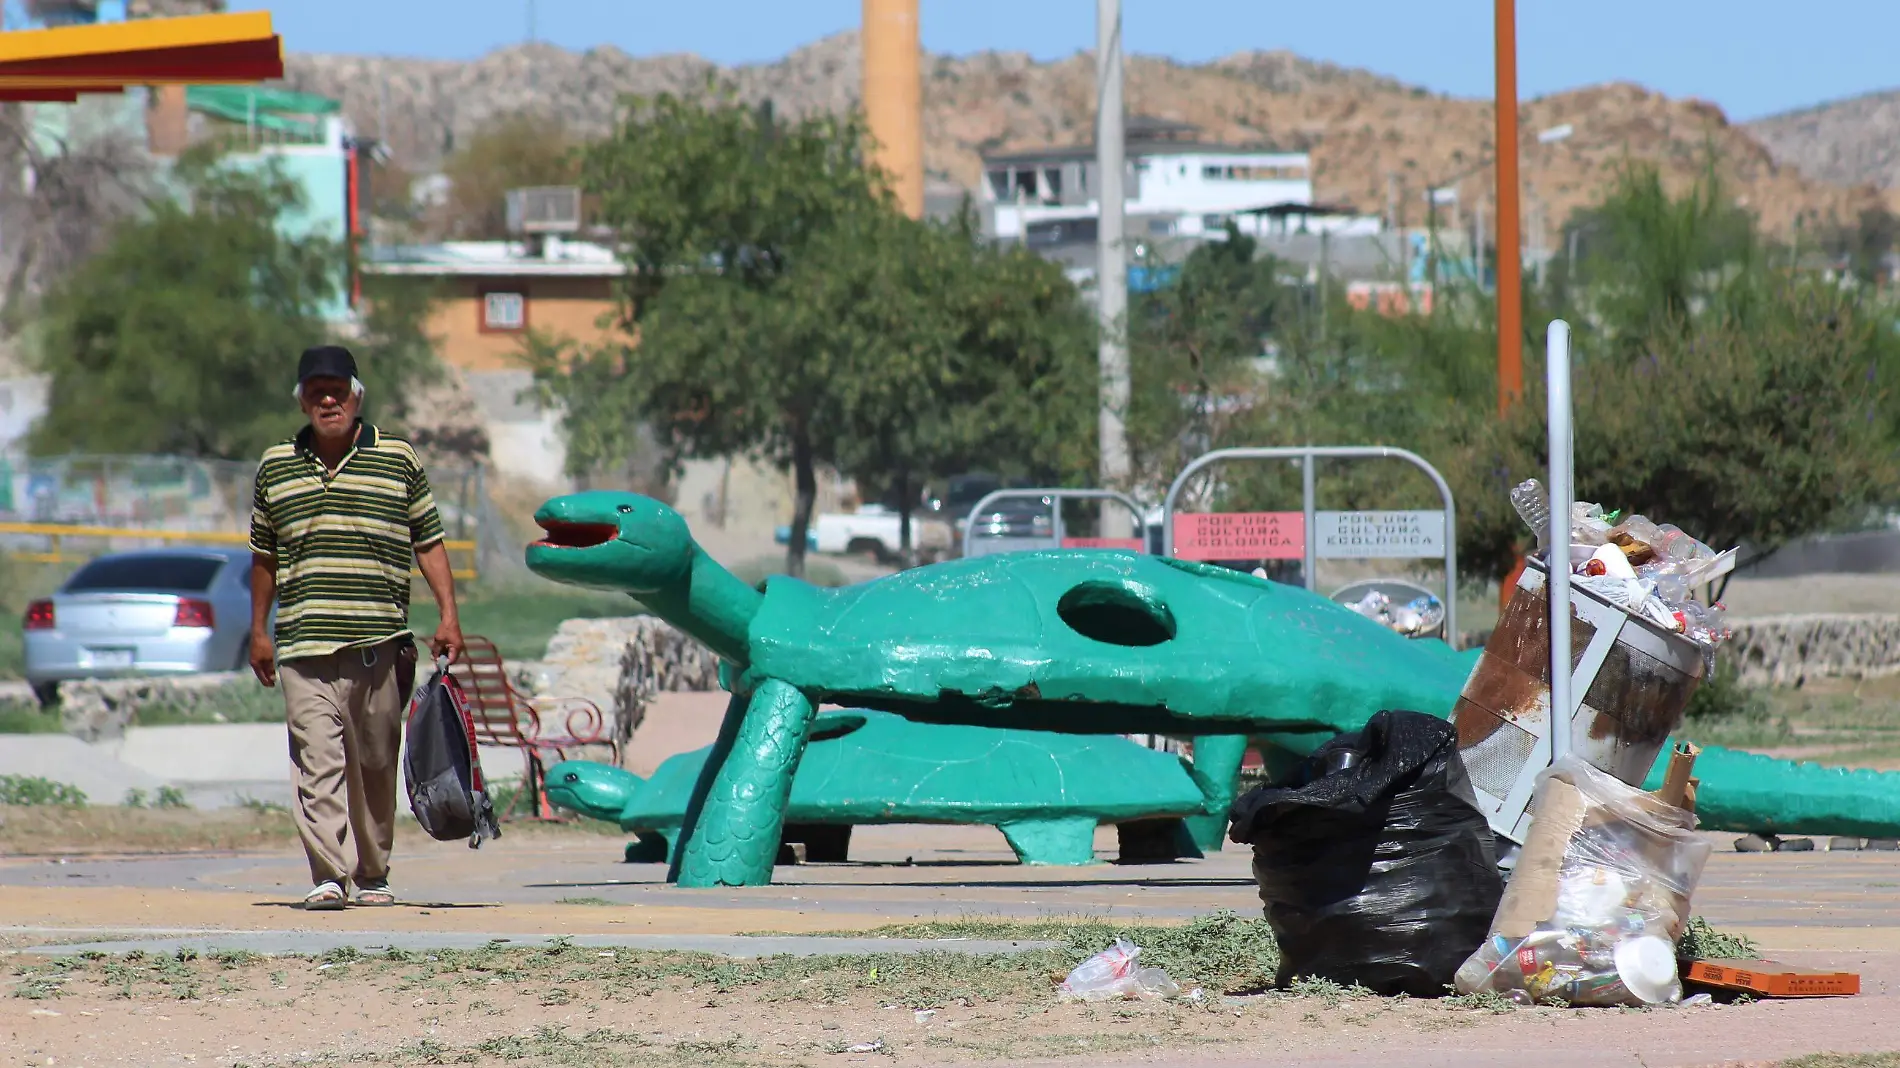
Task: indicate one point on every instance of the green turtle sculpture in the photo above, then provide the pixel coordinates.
(1070, 641)
(1047, 793)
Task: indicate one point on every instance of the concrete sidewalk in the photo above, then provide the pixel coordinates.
(286, 943)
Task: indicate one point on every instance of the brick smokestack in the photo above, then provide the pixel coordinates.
(894, 97)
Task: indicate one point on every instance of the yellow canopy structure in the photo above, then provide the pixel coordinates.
(56, 65)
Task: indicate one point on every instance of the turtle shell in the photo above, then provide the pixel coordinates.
(1094, 641)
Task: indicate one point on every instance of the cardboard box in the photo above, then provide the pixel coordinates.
(1770, 979)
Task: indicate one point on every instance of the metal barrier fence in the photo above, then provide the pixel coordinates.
(57, 536)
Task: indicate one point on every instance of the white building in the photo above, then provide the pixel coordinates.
(1177, 185)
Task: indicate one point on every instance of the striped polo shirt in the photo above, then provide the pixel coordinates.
(344, 542)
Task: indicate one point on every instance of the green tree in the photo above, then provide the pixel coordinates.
(510, 152)
(180, 336)
(962, 355)
(713, 204)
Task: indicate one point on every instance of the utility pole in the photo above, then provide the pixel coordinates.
(893, 97)
(1510, 258)
(1111, 275)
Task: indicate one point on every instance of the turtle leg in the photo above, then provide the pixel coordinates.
(1061, 840)
(1216, 770)
(733, 826)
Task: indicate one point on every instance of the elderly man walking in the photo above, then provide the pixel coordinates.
(339, 512)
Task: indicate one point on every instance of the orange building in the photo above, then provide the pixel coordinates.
(493, 292)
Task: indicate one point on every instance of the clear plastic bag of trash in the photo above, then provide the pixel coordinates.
(1115, 974)
(1598, 899)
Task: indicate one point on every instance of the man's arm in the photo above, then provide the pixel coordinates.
(432, 556)
(434, 561)
(263, 583)
(263, 592)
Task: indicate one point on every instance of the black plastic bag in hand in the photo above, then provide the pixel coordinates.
(1375, 866)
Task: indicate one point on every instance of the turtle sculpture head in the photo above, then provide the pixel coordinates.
(638, 546)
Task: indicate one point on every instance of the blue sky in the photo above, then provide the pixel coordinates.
(1752, 57)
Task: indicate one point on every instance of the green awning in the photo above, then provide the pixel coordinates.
(267, 109)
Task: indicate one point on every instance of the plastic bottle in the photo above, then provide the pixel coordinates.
(1533, 507)
(1587, 525)
(1679, 546)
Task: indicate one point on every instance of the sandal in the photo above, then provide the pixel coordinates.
(376, 896)
(327, 897)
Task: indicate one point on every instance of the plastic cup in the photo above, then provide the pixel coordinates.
(1647, 966)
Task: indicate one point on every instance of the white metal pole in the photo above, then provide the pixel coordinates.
(1111, 275)
(1557, 391)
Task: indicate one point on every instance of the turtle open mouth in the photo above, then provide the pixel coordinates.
(563, 535)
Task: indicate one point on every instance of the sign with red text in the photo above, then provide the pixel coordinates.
(1239, 535)
(1103, 543)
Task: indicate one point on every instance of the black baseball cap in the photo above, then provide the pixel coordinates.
(326, 361)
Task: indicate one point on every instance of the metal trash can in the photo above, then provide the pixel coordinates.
(1632, 681)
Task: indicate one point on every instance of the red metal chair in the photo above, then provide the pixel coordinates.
(505, 717)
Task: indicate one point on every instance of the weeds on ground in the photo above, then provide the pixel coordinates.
(168, 797)
(1844, 1060)
(1223, 952)
(35, 790)
(1700, 941)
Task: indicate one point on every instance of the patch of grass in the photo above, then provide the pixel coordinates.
(520, 617)
(1703, 942)
(1844, 1060)
(1851, 722)
(33, 790)
(241, 702)
(45, 830)
(585, 901)
(1222, 952)
(17, 717)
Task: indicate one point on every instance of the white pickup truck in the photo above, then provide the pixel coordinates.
(877, 530)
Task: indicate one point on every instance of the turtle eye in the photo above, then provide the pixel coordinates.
(572, 776)
(625, 508)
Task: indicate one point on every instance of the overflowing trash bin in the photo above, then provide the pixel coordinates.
(1640, 646)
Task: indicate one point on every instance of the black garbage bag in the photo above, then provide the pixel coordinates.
(1375, 865)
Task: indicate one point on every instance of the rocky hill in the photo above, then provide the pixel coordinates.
(1370, 136)
(1846, 142)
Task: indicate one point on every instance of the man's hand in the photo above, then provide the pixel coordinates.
(264, 658)
(448, 640)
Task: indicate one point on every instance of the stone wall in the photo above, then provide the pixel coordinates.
(100, 709)
(619, 663)
(1789, 650)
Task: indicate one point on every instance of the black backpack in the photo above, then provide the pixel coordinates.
(441, 765)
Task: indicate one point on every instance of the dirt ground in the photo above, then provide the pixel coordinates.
(588, 1006)
(601, 1007)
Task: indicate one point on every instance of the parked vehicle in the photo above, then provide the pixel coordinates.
(878, 531)
(156, 612)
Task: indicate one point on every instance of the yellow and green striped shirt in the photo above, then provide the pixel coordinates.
(343, 543)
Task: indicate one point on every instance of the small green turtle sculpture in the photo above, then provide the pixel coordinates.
(1047, 793)
(1070, 641)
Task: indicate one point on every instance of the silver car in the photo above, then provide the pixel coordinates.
(157, 612)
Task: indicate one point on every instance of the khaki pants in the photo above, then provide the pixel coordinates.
(344, 711)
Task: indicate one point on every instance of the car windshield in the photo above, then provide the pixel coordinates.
(151, 571)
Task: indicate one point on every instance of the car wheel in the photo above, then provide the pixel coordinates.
(46, 693)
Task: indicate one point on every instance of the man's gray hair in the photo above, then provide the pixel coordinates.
(356, 389)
